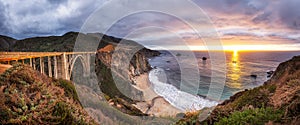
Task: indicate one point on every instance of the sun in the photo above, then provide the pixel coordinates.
(235, 52)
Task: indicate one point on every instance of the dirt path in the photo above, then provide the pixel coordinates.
(4, 67)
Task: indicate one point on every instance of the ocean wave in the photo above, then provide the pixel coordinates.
(179, 99)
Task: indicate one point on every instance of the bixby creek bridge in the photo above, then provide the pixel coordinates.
(53, 64)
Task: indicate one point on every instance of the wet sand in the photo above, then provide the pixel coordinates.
(154, 104)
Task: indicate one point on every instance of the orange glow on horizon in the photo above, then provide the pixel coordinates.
(279, 47)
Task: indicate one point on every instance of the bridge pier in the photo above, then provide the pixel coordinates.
(62, 67)
(30, 62)
(42, 65)
(34, 63)
(55, 67)
(49, 67)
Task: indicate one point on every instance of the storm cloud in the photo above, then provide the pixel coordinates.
(252, 18)
(44, 17)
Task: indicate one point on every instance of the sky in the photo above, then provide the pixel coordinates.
(240, 24)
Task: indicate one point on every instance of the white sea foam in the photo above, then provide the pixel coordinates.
(181, 100)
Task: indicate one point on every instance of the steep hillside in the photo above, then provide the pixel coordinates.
(64, 43)
(28, 97)
(276, 102)
(6, 42)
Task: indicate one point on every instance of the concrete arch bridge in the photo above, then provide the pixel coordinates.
(53, 64)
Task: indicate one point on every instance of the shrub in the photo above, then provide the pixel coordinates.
(69, 88)
(257, 116)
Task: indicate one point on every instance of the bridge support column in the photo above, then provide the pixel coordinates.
(49, 67)
(42, 65)
(63, 67)
(30, 62)
(34, 64)
(55, 67)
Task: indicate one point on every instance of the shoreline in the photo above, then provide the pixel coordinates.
(181, 100)
(154, 104)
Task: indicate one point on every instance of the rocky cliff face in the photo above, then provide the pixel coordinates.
(117, 67)
(138, 64)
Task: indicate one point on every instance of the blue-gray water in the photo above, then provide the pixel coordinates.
(239, 68)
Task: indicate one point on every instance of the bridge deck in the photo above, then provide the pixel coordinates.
(9, 56)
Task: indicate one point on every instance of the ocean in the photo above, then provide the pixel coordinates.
(244, 70)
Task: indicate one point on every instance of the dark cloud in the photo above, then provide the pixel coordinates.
(289, 13)
(44, 17)
(248, 7)
(260, 18)
(57, 2)
(2, 18)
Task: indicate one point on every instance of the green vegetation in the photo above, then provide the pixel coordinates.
(107, 83)
(257, 97)
(111, 92)
(69, 88)
(257, 116)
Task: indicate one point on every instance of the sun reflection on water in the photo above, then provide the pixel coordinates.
(235, 70)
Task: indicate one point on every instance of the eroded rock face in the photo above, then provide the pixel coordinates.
(116, 68)
(128, 64)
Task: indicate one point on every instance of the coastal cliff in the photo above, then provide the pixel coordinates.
(275, 102)
(118, 68)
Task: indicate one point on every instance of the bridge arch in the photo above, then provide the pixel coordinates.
(84, 61)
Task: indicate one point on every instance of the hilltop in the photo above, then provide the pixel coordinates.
(6, 42)
(64, 43)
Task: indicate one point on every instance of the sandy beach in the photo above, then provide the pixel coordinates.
(154, 104)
